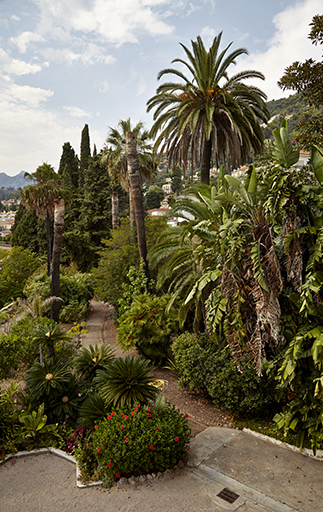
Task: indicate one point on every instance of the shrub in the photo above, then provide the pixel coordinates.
(148, 326)
(201, 365)
(191, 358)
(126, 382)
(139, 440)
(246, 392)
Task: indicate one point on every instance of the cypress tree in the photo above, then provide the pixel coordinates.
(69, 166)
(85, 153)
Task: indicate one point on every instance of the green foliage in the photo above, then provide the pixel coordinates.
(202, 365)
(126, 381)
(43, 379)
(88, 361)
(301, 373)
(118, 256)
(138, 440)
(93, 410)
(191, 354)
(148, 326)
(153, 197)
(136, 285)
(18, 264)
(18, 348)
(34, 425)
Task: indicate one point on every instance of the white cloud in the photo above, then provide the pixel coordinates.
(289, 44)
(24, 39)
(116, 22)
(31, 96)
(77, 112)
(208, 34)
(105, 86)
(16, 66)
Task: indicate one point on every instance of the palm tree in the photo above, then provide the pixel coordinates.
(210, 112)
(115, 156)
(40, 197)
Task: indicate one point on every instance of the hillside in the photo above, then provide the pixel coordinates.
(294, 109)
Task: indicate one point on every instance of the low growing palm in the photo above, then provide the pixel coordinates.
(88, 361)
(43, 379)
(126, 382)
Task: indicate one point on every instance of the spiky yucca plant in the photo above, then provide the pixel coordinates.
(88, 361)
(42, 379)
(126, 382)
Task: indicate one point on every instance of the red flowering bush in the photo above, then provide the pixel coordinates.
(150, 441)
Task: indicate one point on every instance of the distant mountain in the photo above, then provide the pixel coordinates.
(13, 181)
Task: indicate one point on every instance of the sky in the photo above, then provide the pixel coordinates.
(67, 63)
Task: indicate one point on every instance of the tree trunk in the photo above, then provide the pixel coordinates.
(48, 245)
(134, 179)
(206, 162)
(115, 210)
(59, 210)
(132, 216)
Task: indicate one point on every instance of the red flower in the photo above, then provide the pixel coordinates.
(129, 419)
(135, 409)
(148, 408)
(126, 417)
(110, 464)
(149, 415)
(113, 413)
(139, 405)
(132, 414)
(117, 475)
(157, 429)
(179, 410)
(121, 426)
(186, 416)
(104, 442)
(109, 417)
(152, 447)
(127, 439)
(95, 427)
(175, 438)
(122, 415)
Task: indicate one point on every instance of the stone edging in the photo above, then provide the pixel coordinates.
(306, 451)
(133, 480)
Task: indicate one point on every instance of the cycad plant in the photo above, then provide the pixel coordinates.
(88, 361)
(126, 382)
(50, 334)
(66, 401)
(44, 379)
(93, 410)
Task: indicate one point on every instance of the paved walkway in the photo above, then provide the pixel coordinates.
(256, 475)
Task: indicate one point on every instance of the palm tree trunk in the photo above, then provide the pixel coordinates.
(206, 162)
(48, 245)
(115, 210)
(134, 179)
(59, 210)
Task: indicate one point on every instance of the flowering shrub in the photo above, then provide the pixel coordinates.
(139, 440)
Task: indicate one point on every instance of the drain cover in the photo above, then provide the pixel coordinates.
(228, 495)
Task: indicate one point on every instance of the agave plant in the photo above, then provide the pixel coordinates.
(88, 361)
(42, 379)
(126, 382)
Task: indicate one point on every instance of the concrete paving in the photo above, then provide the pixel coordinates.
(263, 475)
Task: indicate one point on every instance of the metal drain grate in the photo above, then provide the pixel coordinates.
(228, 495)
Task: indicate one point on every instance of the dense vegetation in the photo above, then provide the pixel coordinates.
(230, 299)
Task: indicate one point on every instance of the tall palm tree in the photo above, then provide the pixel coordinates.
(40, 197)
(115, 156)
(209, 112)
